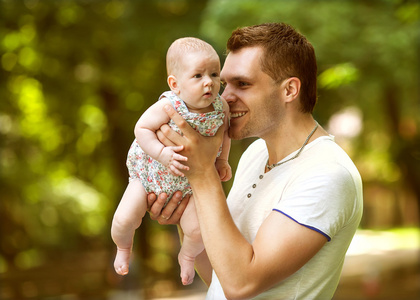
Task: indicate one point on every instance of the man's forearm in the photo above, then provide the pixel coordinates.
(228, 251)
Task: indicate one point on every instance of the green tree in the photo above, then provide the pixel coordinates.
(76, 75)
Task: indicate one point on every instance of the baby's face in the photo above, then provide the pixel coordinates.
(199, 79)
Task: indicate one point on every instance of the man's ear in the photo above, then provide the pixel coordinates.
(292, 88)
(173, 84)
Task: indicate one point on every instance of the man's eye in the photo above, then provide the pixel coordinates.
(242, 84)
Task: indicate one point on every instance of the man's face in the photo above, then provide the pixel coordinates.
(252, 95)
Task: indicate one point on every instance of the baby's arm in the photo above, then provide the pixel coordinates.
(145, 131)
(222, 163)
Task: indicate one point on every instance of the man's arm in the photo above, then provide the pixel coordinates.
(244, 269)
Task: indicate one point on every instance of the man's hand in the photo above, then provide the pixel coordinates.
(171, 213)
(201, 151)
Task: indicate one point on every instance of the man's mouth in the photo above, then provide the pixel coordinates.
(237, 114)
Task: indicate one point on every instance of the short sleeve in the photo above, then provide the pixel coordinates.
(321, 198)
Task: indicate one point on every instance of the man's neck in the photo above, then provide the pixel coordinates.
(290, 137)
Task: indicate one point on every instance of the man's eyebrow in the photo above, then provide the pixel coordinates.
(238, 78)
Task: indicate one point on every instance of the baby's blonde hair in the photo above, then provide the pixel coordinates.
(180, 47)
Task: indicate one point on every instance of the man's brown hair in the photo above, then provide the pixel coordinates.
(287, 53)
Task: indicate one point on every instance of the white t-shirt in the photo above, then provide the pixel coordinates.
(321, 189)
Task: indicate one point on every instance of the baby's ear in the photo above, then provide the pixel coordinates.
(173, 84)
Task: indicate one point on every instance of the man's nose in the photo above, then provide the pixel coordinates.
(228, 96)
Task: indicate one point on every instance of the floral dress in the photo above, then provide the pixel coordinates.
(154, 176)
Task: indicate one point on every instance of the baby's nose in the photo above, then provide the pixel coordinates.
(208, 81)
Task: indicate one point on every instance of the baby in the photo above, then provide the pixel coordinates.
(193, 68)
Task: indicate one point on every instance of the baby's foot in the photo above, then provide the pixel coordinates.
(122, 261)
(187, 269)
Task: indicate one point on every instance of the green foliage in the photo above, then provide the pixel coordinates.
(337, 76)
(76, 75)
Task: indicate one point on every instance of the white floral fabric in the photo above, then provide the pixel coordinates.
(154, 176)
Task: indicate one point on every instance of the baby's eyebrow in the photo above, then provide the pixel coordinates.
(199, 70)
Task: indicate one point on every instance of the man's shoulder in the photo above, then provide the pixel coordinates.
(330, 164)
(251, 158)
(257, 145)
(327, 151)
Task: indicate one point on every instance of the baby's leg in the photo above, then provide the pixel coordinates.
(192, 244)
(127, 219)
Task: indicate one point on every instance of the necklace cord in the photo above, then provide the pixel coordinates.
(270, 167)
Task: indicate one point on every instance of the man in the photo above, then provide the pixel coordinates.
(296, 200)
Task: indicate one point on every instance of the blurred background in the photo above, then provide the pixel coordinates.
(75, 76)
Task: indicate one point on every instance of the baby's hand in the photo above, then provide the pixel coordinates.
(170, 159)
(224, 170)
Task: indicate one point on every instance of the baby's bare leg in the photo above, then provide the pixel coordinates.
(127, 219)
(192, 244)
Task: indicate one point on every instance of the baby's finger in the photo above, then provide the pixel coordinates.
(179, 166)
(179, 157)
(176, 171)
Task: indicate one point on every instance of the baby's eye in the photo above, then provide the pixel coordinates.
(197, 76)
(215, 74)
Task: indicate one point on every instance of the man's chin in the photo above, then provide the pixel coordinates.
(235, 134)
(230, 134)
